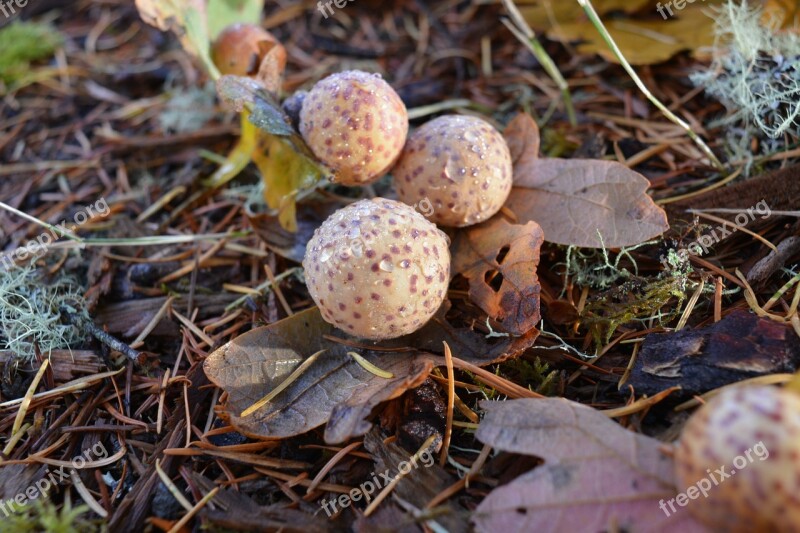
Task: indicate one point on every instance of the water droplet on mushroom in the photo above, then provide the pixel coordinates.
(431, 268)
(324, 255)
(386, 266)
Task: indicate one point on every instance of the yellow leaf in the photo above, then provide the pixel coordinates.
(285, 173)
(542, 14)
(642, 42)
(239, 157)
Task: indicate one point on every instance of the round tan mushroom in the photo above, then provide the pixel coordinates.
(460, 165)
(377, 269)
(355, 123)
(739, 460)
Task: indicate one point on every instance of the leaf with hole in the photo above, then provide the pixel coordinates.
(499, 259)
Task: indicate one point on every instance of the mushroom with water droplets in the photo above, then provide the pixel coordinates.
(739, 456)
(461, 165)
(377, 269)
(356, 124)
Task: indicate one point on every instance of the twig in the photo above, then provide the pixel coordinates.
(451, 393)
(595, 19)
(106, 338)
(522, 31)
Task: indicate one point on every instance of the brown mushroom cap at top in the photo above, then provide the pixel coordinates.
(460, 164)
(377, 269)
(355, 123)
(239, 49)
(753, 434)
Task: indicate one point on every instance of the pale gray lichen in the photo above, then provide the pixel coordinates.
(755, 73)
(30, 311)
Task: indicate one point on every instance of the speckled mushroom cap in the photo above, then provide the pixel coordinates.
(355, 123)
(764, 492)
(460, 164)
(377, 269)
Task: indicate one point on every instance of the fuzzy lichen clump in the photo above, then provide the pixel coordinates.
(29, 312)
(756, 75)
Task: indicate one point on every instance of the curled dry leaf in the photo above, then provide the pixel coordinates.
(240, 92)
(597, 475)
(187, 19)
(499, 259)
(335, 389)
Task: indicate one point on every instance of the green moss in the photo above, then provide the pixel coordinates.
(637, 299)
(536, 375)
(46, 516)
(22, 43)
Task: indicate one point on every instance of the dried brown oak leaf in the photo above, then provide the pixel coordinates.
(523, 139)
(499, 259)
(334, 389)
(580, 202)
(597, 476)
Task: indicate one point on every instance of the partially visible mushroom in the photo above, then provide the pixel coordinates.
(377, 269)
(739, 456)
(249, 50)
